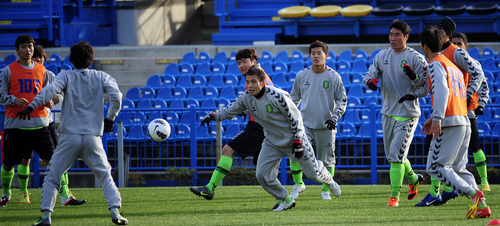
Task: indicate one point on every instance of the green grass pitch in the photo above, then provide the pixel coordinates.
(250, 205)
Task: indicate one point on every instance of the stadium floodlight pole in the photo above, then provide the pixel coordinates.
(121, 168)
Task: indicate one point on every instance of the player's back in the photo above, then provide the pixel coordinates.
(82, 110)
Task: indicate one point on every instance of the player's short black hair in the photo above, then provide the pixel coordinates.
(400, 25)
(246, 53)
(24, 39)
(321, 44)
(432, 37)
(81, 55)
(256, 70)
(460, 35)
(39, 52)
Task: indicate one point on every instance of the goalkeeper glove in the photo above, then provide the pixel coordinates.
(25, 113)
(209, 117)
(409, 72)
(108, 125)
(298, 150)
(330, 124)
(409, 96)
(372, 84)
(479, 110)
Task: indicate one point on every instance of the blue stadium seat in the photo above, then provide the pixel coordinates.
(268, 68)
(155, 115)
(66, 67)
(359, 66)
(332, 56)
(208, 103)
(357, 78)
(165, 94)
(369, 92)
(232, 69)
(343, 67)
(232, 57)
(185, 82)
(231, 80)
(231, 131)
(180, 93)
(218, 69)
(211, 92)
(496, 114)
(242, 82)
(223, 102)
(183, 132)
(346, 55)
(192, 102)
(148, 93)
(173, 70)
(53, 69)
(280, 67)
(282, 57)
(361, 55)
(483, 129)
(331, 64)
(9, 59)
(353, 101)
(489, 76)
(352, 116)
(297, 56)
(346, 80)
(145, 105)
(172, 118)
(159, 103)
(279, 80)
(488, 64)
(189, 58)
(487, 116)
(372, 99)
(495, 132)
(372, 56)
(127, 104)
(204, 57)
(187, 69)
(203, 69)
(125, 118)
(356, 91)
(488, 53)
(221, 57)
(177, 103)
(291, 77)
(297, 66)
(365, 115)
(240, 90)
(55, 59)
(196, 93)
(135, 134)
(68, 62)
(2, 66)
(474, 53)
(347, 131)
(114, 135)
(213, 130)
(139, 118)
(199, 80)
(216, 81)
(228, 92)
(202, 134)
(154, 82)
(134, 94)
(186, 118)
(266, 57)
(169, 80)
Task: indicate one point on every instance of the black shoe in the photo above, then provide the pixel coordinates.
(202, 191)
(74, 202)
(449, 195)
(118, 219)
(43, 222)
(4, 201)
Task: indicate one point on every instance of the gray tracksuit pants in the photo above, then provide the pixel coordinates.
(90, 149)
(397, 137)
(269, 161)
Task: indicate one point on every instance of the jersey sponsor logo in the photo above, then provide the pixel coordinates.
(403, 62)
(326, 84)
(269, 109)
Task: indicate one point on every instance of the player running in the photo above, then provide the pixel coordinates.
(320, 90)
(247, 142)
(401, 72)
(84, 91)
(449, 125)
(284, 132)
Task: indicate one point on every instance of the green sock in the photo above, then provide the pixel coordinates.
(7, 177)
(64, 186)
(471, 193)
(409, 174)
(288, 199)
(332, 172)
(435, 184)
(396, 175)
(296, 173)
(220, 172)
(447, 189)
(23, 173)
(480, 162)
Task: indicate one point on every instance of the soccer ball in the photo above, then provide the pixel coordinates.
(159, 130)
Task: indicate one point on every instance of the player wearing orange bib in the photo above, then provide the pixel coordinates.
(449, 125)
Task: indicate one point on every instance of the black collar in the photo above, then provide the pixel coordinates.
(446, 44)
(261, 93)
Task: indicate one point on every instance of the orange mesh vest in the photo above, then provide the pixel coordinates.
(267, 82)
(457, 99)
(25, 83)
(449, 54)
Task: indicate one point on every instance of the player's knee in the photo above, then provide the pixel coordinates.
(227, 151)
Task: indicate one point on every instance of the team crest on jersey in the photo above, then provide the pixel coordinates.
(269, 109)
(326, 84)
(403, 62)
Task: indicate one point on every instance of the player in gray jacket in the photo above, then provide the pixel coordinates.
(284, 131)
(401, 71)
(84, 91)
(320, 90)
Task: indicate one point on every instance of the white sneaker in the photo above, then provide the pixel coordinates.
(334, 187)
(284, 206)
(297, 190)
(325, 195)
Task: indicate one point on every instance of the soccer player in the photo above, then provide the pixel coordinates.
(401, 71)
(19, 83)
(320, 90)
(83, 91)
(284, 131)
(247, 142)
(66, 196)
(476, 107)
(449, 125)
